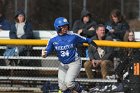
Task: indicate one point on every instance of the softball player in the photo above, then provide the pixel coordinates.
(70, 63)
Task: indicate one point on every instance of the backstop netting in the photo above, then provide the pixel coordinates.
(26, 70)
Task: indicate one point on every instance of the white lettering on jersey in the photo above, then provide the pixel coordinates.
(66, 47)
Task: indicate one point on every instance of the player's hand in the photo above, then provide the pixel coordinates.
(43, 53)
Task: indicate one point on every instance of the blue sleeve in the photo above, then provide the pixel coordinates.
(50, 47)
(82, 39)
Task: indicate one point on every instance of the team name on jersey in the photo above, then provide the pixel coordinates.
(66, 47)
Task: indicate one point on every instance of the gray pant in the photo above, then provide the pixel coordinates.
(67, 74)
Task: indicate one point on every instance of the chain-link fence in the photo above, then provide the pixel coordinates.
(27, 71)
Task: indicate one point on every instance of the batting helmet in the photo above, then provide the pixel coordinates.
(60, 21)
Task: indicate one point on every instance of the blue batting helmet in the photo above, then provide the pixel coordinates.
(60, 21)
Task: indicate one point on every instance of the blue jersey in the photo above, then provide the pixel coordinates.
(65, 46)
